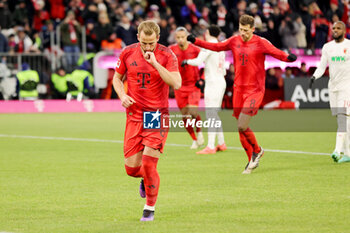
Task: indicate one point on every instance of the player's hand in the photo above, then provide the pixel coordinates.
(150, 58)
(311, 82)
(127, 101)
(183, 63)
(292, 57)
(191, 38)
(200, 84)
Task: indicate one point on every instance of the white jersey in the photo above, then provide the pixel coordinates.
(214, 69)
(337, 56)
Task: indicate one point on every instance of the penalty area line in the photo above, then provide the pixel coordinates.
(167, 144)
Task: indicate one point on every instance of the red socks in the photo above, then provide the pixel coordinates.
(134, 171)
(151, 179)
(189, 128)
(248, 133)
(249, 142)
(246, 145)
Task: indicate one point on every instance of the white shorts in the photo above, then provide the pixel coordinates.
(213, 95)
(339, 102)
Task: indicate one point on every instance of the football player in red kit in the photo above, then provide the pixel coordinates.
(249, 52)
(150, 69)
(188, 96)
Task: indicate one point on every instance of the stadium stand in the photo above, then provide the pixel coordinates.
(48, 34)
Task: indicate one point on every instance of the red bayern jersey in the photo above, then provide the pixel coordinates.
(189, 74)
(249, 58)
(145, 85)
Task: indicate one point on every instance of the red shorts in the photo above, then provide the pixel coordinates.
(184, 98)
(136, 138)
(247, 103)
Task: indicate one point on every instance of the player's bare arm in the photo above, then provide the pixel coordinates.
(126, 100)
(171, 78)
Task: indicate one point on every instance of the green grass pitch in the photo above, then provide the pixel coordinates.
(60, 180)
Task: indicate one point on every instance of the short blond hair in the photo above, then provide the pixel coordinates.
(247, 20)
(148, 27)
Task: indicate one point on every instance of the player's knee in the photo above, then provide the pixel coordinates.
(132, 171)
(242, 128)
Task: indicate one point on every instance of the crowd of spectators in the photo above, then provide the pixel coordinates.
(25, 24)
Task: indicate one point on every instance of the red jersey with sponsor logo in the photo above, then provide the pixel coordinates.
(249, 58)
(145, 85)
(189, 74)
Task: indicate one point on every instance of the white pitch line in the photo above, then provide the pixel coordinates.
(168, 144)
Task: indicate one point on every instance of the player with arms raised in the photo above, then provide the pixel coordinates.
(249, 52)
(150, 69)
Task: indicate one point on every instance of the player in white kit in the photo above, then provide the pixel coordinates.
(337, 54)
(215, 85)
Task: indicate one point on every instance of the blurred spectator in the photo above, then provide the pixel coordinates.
(70, 34)
(23, 41)
(237, 13)
(5, 16)
(334, 9)
(223, 19)
(90, 13)
(59, 83)
(103, 29)
(126, 31)
(4, 47)
(301, 34)
(288, 73)
(273, 88)
(37, 43)
(57, 10)
(288, 31)
(91, 37)
(272, 81)
(153, 14)
(77, 6)
(319, 29)
(171, 37)
(164, 32)
(116, 15)
(205, 14)
(271, 34)
(307, 19)
(267, 10)
(200, 28)
(45, 34)
(303, 72)
(20, 15)
(40, 15)
(11, 43)
(258, 17)
(112, 43)
(189, 13)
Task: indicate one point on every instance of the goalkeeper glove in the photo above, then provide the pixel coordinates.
(183, 63)
(311, 82)
(292, 57)
(191, 38)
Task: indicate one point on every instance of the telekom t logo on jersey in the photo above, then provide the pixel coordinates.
(243, 58)
(144, 78)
